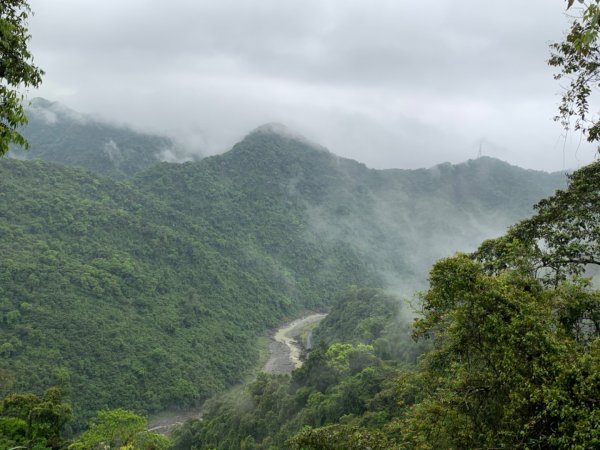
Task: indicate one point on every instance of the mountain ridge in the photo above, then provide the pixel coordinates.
(60, 134)
(44, 111)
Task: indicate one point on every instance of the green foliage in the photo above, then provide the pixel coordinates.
(336, 437)
(116, 428)
(561, 239)
(497, 376)
(515, 361)
(116, 296)
(273, 408)
(340, 383)
(577, 59)
(119, 429)
(39, 423)
(373, 316)
(151, 294)
(58, 134)
(361, 318)
(16, 70)
(34, 422)
(314, 213)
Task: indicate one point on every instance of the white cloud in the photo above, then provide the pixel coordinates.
(392, 84)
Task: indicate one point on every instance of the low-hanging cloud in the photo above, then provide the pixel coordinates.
(393, 84)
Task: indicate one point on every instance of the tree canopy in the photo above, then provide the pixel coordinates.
(17, 70)
(577, 59)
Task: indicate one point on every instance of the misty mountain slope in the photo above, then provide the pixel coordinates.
(59, 134)
(433, 213)
(248, 195)
(398, 221)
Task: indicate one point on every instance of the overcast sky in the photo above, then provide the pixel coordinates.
(391, 83)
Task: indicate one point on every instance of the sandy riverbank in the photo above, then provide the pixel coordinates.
(284, 348)
(284, 356)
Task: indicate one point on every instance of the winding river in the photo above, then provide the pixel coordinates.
(285, 345)
(284, 356)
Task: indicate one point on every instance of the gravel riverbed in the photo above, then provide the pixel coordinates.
(284, 356)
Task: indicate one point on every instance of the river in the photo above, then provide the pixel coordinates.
(285, 347)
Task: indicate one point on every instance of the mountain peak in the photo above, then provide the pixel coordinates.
(52, 112)
(282, 131)
(40, 102)
(275, 128)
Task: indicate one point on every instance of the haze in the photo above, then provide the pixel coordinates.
(391, 84)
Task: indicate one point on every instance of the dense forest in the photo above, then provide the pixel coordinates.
(58, 134)
(151, 292)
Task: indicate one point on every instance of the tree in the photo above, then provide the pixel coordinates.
(516, 335)
(17, 71)
(32, 421)
(561, 240)
(578, 61)
(337, 436)
(119, 429)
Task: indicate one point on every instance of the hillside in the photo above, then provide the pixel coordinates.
(151, 294)
(114, 295)
(400, 221)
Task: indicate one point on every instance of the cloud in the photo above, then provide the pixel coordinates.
(392, 84)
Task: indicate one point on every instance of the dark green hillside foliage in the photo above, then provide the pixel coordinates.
(515, 331)
(358, 316)
(58, 134)
(433, 213)
(256, 194)
(117, 297)
(31, 422)
(514, 362)
(372, 316)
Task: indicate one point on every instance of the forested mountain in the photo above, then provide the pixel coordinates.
(399, 221)
(151, 293)
(59, 134)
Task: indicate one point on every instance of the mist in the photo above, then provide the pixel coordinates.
(394, 85)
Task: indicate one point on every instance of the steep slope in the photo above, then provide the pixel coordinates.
(399, 221)
(59, 134)
(346, 379)
(127, 301)
(256, 193)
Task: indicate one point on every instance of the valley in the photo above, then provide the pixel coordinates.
(179, 270)
(284, 356)
(151, 290)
